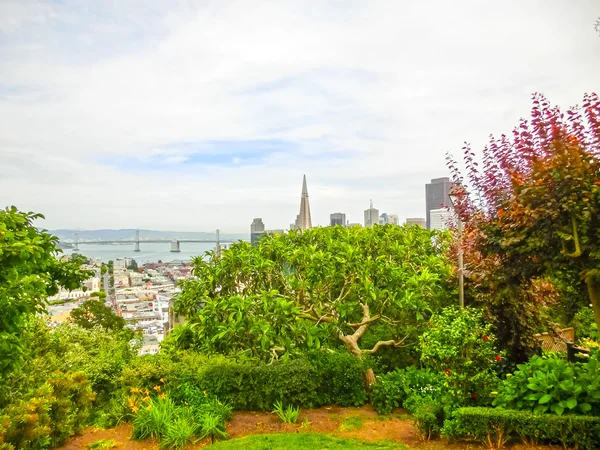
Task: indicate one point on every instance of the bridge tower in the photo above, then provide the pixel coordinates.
(76, 247)
(137, 241)
(175, 248)
(218, 246)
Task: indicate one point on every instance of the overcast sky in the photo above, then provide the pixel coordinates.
(204, 114)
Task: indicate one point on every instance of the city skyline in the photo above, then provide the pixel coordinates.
(197, 116)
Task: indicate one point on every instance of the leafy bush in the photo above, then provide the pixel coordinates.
(286, 415)
(552, 385)
(319, 379)
(585, 325)
(461, 347)
(428, 414)
(50, 415)
(392, 389)
(495, 426)
(153, 419)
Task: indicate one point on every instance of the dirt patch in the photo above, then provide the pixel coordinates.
(362, 423)
(120, 434)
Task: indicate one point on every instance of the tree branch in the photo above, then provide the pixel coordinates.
(386, 344)
(365, 321)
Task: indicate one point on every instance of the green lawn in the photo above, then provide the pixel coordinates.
(301, 441)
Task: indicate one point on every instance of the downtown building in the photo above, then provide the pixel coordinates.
(371, 216)
(437, 196)
(337, 219)
(303, 219)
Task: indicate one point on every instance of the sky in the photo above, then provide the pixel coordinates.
(197, 115)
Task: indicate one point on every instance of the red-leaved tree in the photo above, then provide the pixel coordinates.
(532, 209)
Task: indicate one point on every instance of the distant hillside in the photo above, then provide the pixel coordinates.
(113, 235)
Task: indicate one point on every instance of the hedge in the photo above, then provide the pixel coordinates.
(318, 379)
(495, 426)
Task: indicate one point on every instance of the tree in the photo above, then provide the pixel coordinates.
(103, 269)
(133, 265)
(323, 287)
(94, 313)
(533, 209)
(29, 272)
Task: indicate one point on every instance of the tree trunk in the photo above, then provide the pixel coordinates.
(369, 377)
(593, 286)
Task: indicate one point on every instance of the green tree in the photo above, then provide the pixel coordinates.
(323, 287)
(29, 272)
(133, 265)
(103, 269)
(94, 313)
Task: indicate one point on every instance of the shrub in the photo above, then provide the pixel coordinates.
(552, 385)
(152, 419)
(428, 414)
(461, 347)
(50, 415)
(495, 426)
(585, 325)
(392, 389)
(319, 379)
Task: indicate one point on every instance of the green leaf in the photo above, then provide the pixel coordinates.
(557, 409)
(571, 403)
(545, 399)
(585, 407)
(566, 384)
(540, 409)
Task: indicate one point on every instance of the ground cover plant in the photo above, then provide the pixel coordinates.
(301, 441)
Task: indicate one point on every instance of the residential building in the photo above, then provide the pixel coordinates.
(136, 279)
(119, 264)
(337, 219)
(437, 196)
(439, 218)
(93, 284)
(416, 221)
(303, 220)
(394, 219)
(371, 216)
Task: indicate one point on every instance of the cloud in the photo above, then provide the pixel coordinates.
(185, 115)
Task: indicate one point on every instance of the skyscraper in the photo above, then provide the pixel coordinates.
(383, 219)
(394, 219)
(437, 196)
(337, 219)
(256, 229)
(303, 221)
(371, 216)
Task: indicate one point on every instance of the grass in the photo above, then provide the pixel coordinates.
(301, 441)
(352, 423)
(102, 444)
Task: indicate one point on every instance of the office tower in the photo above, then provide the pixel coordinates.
(394, 219)
(371, 216)
(256, 229)
(303, 221)
(416, 221)
(439, 218)
(383, 219)
(337, 219)
(436, 196)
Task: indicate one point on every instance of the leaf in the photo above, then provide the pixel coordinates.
(557, 409)
(545, 399)
(585, 407)
(571, 403)
(566, 384)
(540, 409)
(533, 386)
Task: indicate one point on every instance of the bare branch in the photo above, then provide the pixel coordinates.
(391, 343)
(365, 321)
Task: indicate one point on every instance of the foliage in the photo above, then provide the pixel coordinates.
(29, 273)
(320, 378)
(351, 423)
(323, 287)
(392, 389)
(50, 414)
(286, 415)
(212, 426)
(585, 326)
(554, 386)
(461, 347)
(495, 426)
(428, 414)
(152, 419)
(532, 210)
(302, 441)
(93, 313)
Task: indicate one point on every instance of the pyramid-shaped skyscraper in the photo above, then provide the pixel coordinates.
(303, 221)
